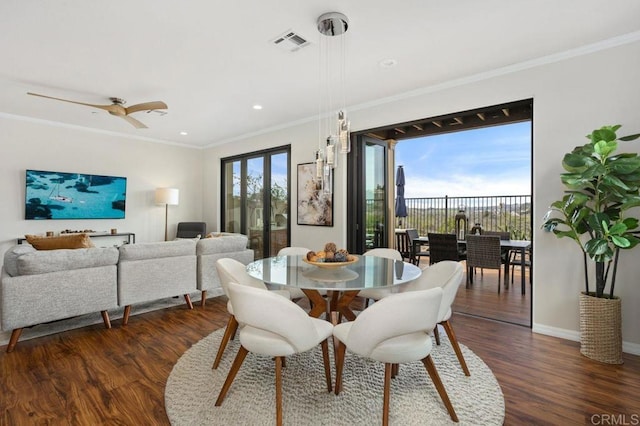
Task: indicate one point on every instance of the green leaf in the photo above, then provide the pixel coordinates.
(630, 137)
(603, 148)
(575, 163)
(624, 165)
(631, 223)
(618, 229)
(596, 246)
(605, 133)
(620, 241)
(613, 181)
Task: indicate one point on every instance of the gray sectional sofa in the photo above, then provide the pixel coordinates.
(151, 271)
(208, 250)
(38, 286)
(41, 286)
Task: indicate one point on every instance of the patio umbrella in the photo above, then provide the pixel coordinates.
(401, 206)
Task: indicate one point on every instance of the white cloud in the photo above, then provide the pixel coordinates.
(466, 186)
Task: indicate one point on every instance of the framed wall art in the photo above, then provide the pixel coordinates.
(315, 206)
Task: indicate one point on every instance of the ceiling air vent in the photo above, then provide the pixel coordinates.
(290, 41)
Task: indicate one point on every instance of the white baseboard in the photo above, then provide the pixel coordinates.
(627, 347)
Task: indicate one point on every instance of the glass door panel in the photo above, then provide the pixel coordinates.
(279, 208)
(233, 194)
(375, 195)
(254, 206)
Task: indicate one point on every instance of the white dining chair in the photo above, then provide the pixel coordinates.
(232, 270)
(447, 275)
(378, 293)
(296, 293)
(395, 330)
(275, 327)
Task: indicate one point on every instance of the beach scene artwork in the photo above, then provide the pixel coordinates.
(61, 195)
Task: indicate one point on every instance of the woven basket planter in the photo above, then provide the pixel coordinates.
(601, 329)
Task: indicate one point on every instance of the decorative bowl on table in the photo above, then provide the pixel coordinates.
(325, 264)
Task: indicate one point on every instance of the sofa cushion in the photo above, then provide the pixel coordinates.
(40, 262)
(223, 244)
(11, 258)
(71, 241)
(157, 250)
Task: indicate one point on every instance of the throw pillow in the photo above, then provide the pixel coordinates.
(71, 241)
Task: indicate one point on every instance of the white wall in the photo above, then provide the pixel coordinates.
(146, 165)
(571, 97)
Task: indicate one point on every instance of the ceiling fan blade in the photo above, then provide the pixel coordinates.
(104, 107)
(146, 106)
(135, 123)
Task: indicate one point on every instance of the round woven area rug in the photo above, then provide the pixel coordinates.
(192, 389)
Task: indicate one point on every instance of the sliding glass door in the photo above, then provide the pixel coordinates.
(247, 208)
(367, 197)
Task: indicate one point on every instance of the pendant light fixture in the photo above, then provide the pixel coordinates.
(333, 126)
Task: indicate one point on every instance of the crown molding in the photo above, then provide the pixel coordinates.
(509, 69)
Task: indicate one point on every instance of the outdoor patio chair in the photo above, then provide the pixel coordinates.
(444, 247)
(483, 251)
(506, 253)
(403, 244)
(415, 250)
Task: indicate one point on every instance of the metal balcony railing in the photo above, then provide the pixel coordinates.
(510, 213)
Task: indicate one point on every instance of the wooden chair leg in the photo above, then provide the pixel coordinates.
(435, 378)
(395, 370)
(105, 319)
(203, 298)
(187, 299)
(13, 341)
(242, 353)
(456, 347)
(327, 366)
(125, 316)
(387, 387)
(279, 390)
(340, 351)
(232, 326)
(436, 334)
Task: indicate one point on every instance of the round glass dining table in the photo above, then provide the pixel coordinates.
(344, 281)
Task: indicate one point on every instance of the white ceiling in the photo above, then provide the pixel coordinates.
(210, 61)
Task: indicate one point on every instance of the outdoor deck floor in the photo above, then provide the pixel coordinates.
(482, 299)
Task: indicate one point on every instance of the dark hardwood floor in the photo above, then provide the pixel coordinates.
(93, 376)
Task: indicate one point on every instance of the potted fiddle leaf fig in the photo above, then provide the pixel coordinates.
(602, 186)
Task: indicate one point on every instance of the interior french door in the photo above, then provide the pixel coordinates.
(367, 203)
(247, 208)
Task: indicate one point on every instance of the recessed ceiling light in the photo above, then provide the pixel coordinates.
(183, 133)
(256, 106)
(388, 63)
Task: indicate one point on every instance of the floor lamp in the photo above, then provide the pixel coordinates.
(167, 196)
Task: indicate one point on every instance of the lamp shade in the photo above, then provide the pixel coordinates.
(169, 196)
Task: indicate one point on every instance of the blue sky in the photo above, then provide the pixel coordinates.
(486, 161)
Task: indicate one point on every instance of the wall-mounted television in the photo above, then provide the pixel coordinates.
(62, 195)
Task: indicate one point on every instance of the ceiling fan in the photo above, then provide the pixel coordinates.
(117, 108)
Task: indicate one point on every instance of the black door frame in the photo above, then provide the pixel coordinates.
(266, 195)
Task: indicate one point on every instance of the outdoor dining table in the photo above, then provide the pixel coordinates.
(520, 246)
(344, 281)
